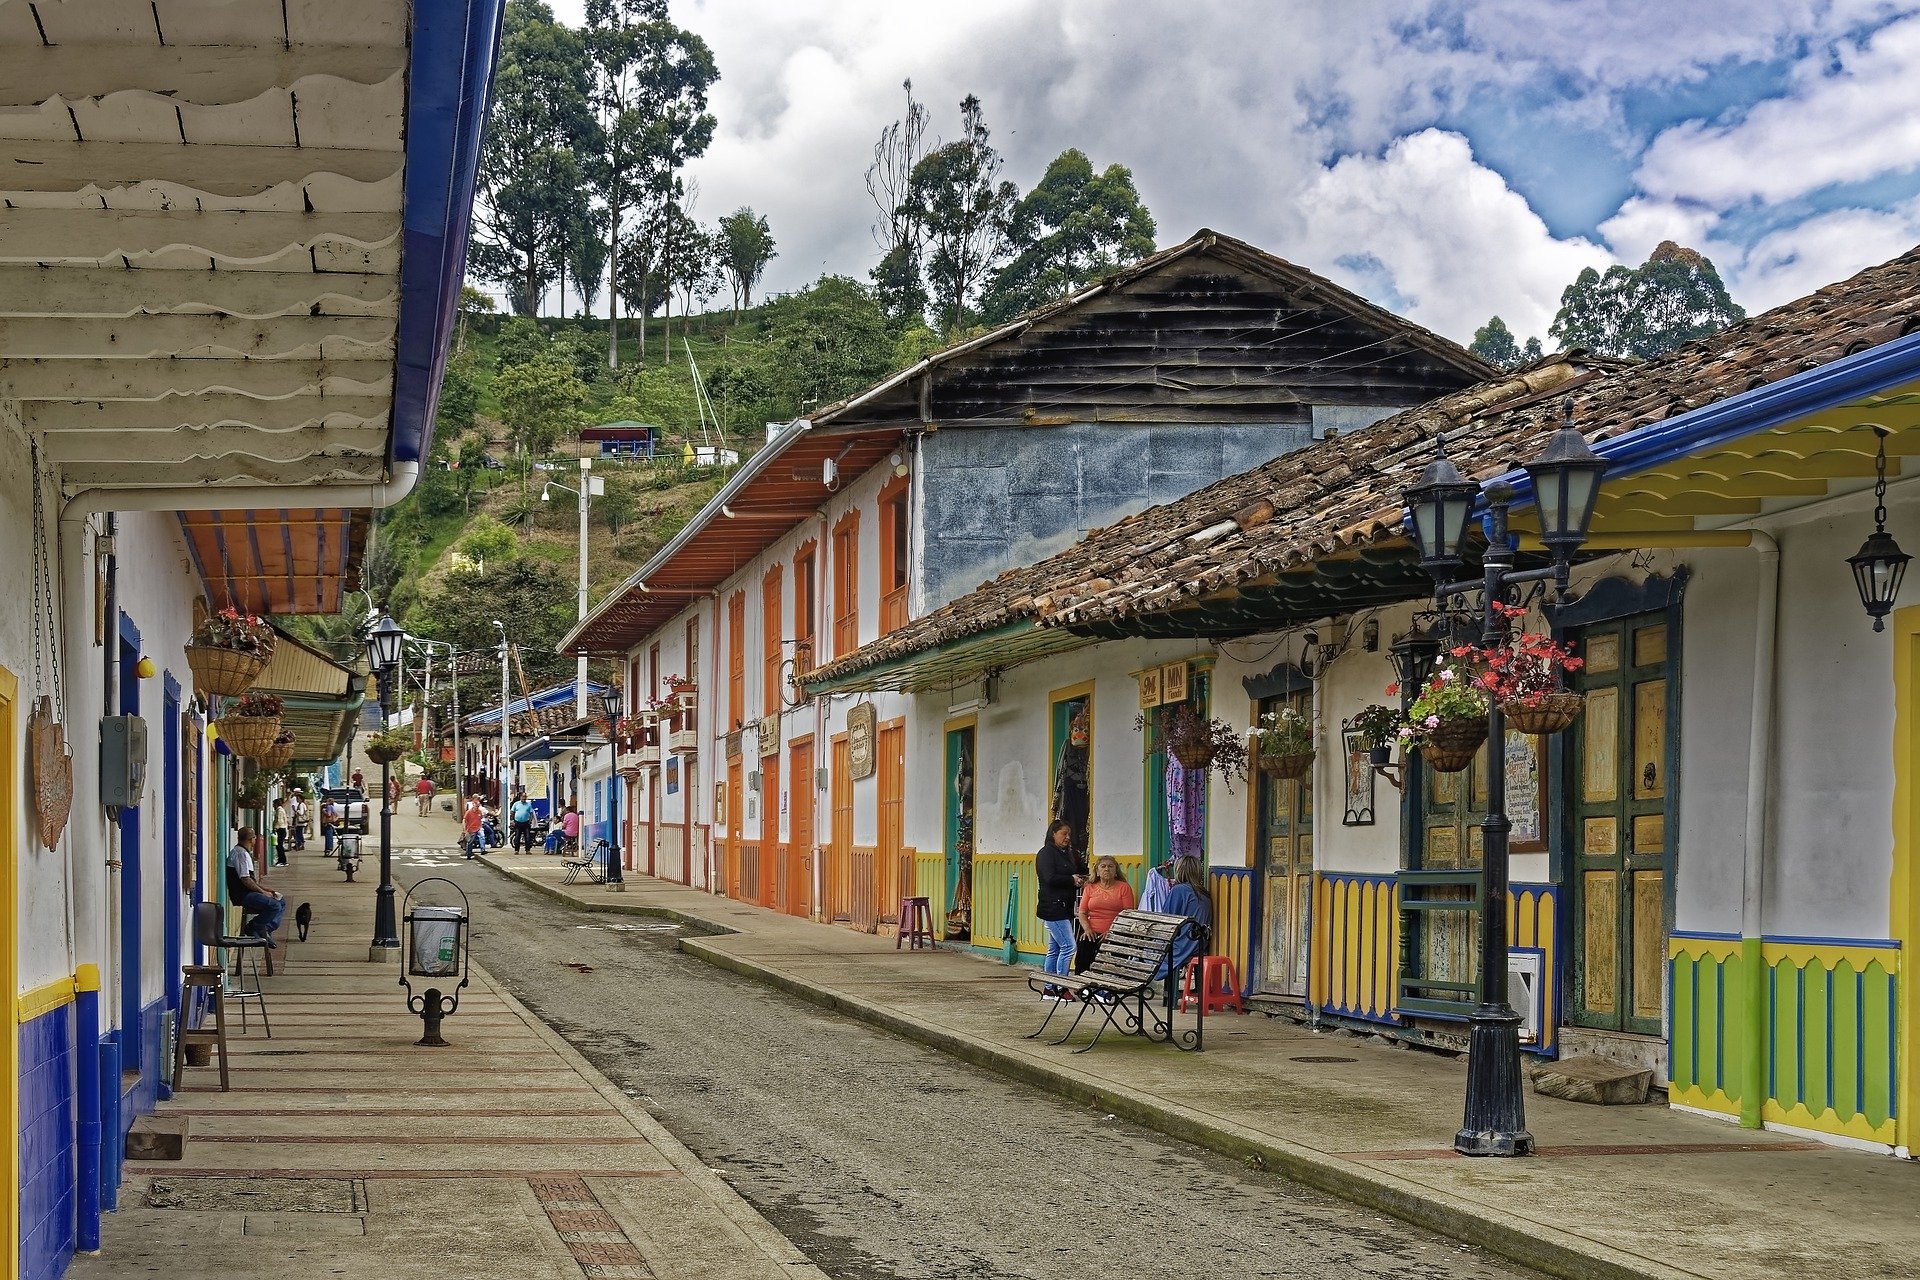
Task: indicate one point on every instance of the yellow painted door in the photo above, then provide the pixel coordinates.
(1621, 845)
(1284, 834)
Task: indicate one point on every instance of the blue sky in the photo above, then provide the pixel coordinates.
(1449, 159)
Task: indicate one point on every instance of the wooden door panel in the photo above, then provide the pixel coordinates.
(1600, 942)
(1599, 762)
(1283, 846)
(1650, 740)
(1649, 944)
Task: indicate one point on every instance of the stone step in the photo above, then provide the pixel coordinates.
(1591, 1079)
(158, 1137)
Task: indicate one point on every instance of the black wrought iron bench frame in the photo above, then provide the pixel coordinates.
(1119, 984)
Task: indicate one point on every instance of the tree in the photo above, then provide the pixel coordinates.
(1672, 298)
(459, 394)
(897, 230)
(964, 213)
(521, 340)
(1073, 228)
(746, 246)
(542, 401)
(689, 267)
(473, 302)
(826, 342)
(532, 197)
(1495, 343)
(535, 595)
(651, 84)
(643, 289)
(487, 539)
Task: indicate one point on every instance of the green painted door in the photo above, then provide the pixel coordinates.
(959, 837)
(1284, 832)
(1622, 755)
(1453, 807)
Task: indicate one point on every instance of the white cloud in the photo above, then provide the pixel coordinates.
(1853, 113)
(1457, 243)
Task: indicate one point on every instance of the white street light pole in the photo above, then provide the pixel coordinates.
(589, 486)
(506, 766)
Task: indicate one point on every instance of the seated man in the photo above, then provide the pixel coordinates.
(245, 891)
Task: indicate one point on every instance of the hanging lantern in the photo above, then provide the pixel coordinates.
(1441, 504)
(1414, 657)
(1880, 563)
(1566, 483)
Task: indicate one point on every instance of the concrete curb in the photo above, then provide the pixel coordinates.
(1516, 1239)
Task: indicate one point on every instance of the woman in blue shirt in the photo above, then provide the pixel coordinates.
(1190, 898)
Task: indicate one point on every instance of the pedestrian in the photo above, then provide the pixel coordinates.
(393, 795)
(423, 792)
(359, 781)
(329, 820)
(1057, 872)
(1190, 898)
(522, 815)
(470, 824)
(280, 830)
(1105, 896)
(570, 828)
(297, 820)
(244, 888)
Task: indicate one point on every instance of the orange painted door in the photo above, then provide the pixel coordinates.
(892, 767)
(840, 852)
(736, 802)
(800, 829)
(772, 866)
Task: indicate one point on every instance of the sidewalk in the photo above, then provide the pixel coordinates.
(343, 1150)
(1615, 1191)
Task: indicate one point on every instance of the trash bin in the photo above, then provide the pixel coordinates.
(434, 950)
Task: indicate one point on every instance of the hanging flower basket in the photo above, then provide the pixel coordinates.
(1193, 755)
(1549, 713)
(1450, 746)
(390, 746)
(280, 755)
(1289, 768)
(227, 673)
(249, 736)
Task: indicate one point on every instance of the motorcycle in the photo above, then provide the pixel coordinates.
(490, 831)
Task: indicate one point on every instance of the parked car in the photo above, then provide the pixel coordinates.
(488, 462)
(352, 802)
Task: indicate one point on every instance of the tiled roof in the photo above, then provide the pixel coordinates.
(1342, 495)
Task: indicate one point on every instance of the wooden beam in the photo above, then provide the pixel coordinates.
(216, 442)
(151, 379)
(119, 291)
(92, 236)
(210, 410)
(191, 73)
(217, 169)
(194, 336)
(219, 471)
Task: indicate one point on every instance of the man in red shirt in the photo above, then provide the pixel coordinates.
(423, 792)
(470, 823)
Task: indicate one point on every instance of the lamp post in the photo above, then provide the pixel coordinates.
(383, 652)
(610, 706)
(590, 486)
(1566, 481)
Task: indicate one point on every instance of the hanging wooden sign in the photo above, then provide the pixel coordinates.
(770, 736)
(52, 772)
(860, 726)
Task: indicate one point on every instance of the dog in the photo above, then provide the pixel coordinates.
(303, 918)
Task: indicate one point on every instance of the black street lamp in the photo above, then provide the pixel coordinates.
(1566, 481)
(383, 653)
(610, 706)
(1880, 564)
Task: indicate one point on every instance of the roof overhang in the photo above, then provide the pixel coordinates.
(233, 247)
(955, 663)
(778, 488)
(321, 698)
(549, 745)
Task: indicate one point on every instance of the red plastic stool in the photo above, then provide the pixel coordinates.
(1219, 985)
(916, 924)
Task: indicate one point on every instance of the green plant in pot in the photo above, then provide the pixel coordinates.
(1447, 722)
(1378, 727)
(390, 745)
(1282, 744)
(1199, 743)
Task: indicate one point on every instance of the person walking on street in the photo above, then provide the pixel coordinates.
(329, 819)
(297, 827)
(393, 795)
(244, 887)
(359, 781)
(1057, 870)
(423, 792)
(470, 824)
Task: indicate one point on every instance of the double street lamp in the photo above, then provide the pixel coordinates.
(1566, 482)
(611, 708)
(383, 655)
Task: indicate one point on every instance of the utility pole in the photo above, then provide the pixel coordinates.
(506, 767)
(589, 486)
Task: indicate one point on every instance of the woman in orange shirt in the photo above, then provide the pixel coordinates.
(1106, 896)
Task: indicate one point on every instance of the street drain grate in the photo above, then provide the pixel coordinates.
(1322, 1057)
(259, 1195)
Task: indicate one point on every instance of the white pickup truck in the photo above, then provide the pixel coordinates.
(352, 803)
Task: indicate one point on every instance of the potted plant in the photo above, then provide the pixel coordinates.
(280, 754)
(680, 685)
(1199, 743)
(1378, 726)
(228, 651)
(250, 725)
(1527, 677)
(1447, 722)
(1283, 744)
(252, 795)
(389, 745)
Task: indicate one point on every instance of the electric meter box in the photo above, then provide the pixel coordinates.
(123, 761)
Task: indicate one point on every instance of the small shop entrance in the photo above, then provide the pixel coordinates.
(960, 798)
(1283, 834)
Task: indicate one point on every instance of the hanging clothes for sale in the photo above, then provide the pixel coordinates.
(1186, 810)
(1071, 793)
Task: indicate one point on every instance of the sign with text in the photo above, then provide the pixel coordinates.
(860, 725)
(770, 736)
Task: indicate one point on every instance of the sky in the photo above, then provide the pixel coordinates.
(1448, 160)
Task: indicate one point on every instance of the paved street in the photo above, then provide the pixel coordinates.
(883, 1160)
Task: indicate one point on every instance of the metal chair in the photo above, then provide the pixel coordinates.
(206, 932)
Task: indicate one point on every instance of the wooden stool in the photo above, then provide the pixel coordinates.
(1218, 985)
(916, 924)
(211, 979)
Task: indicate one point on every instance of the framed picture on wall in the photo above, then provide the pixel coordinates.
(1359, 804)
(719, 803)
(1173, 682)
(1150, 688)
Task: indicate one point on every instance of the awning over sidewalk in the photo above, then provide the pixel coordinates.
(322, 699)
(549, 745)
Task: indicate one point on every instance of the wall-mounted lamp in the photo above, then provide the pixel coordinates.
(146, 669)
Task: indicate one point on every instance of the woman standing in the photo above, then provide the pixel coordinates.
(1057, 868)
(1104, 897)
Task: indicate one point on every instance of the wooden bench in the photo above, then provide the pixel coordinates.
(594, 864)
(1119, 984)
